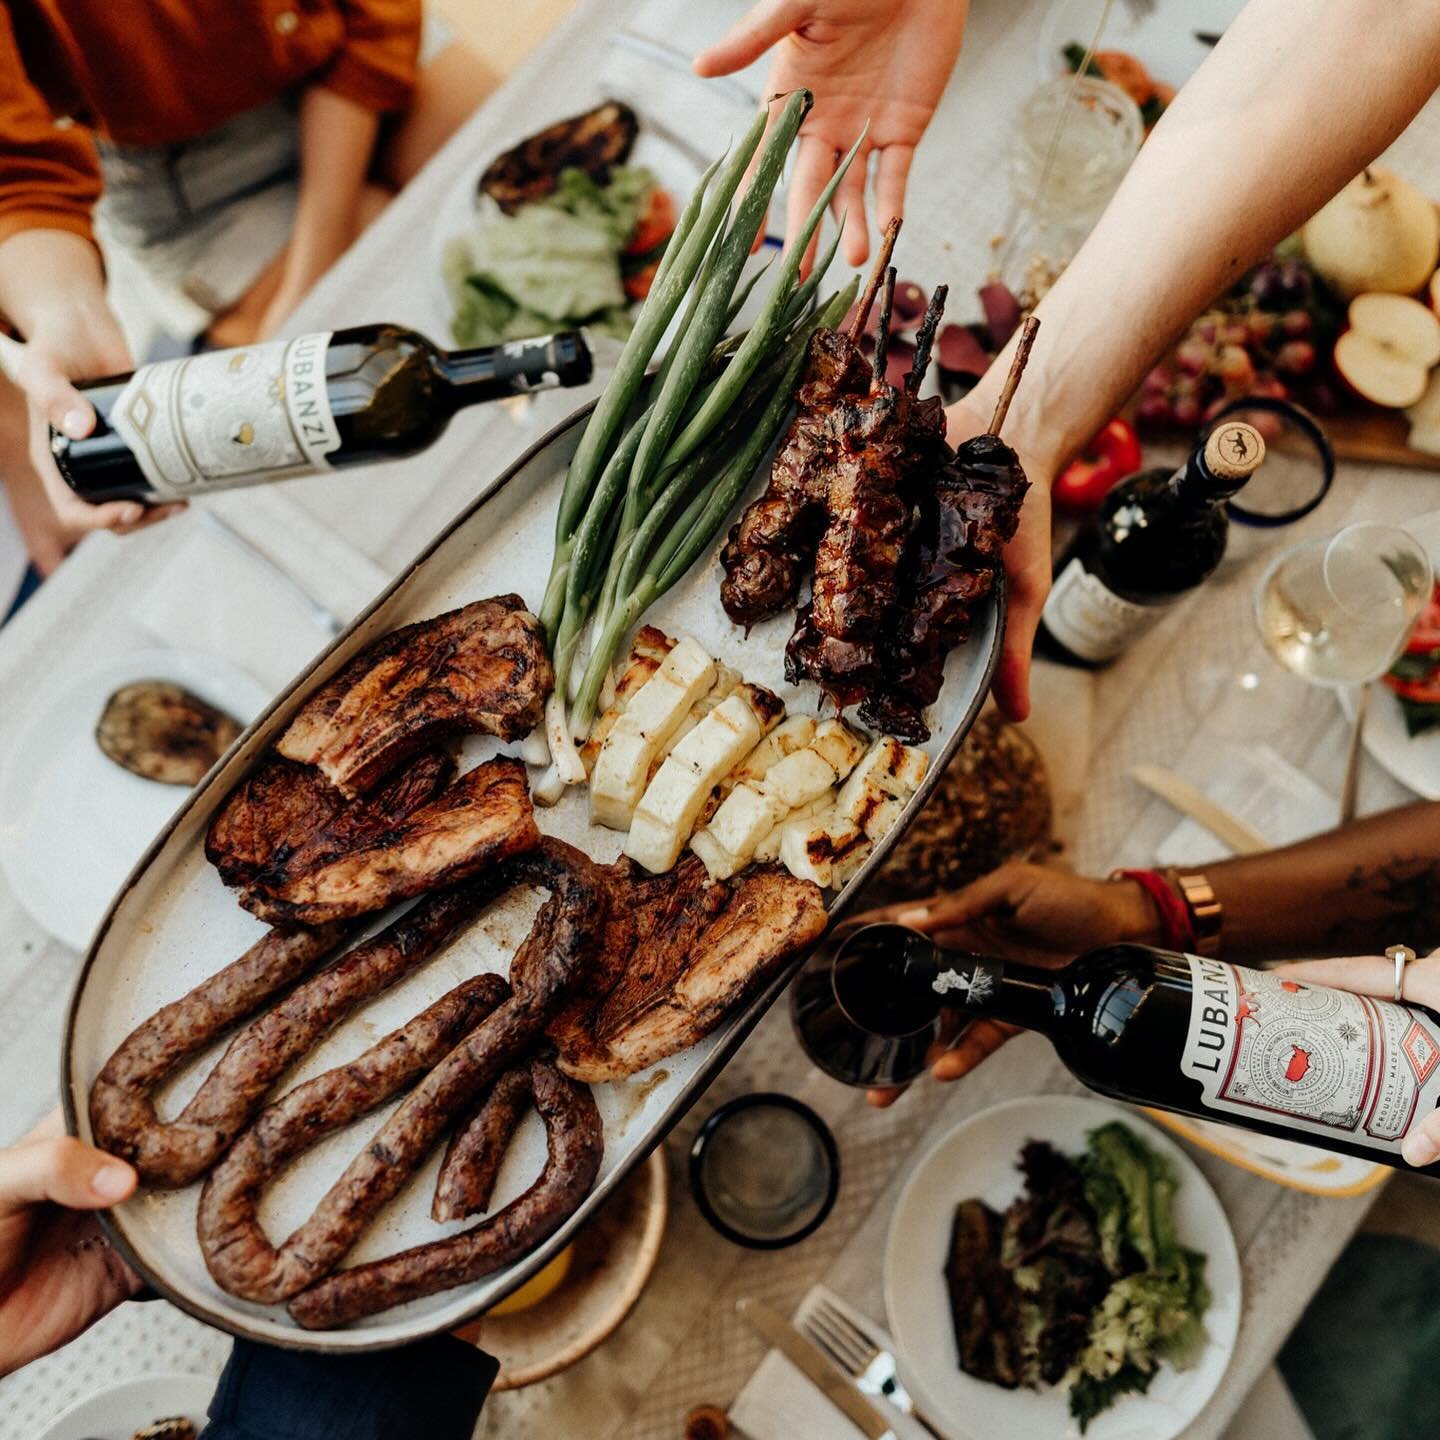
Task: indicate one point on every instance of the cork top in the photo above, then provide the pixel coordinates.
(1234, 450)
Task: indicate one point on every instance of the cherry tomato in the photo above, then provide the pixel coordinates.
(1422, 692)
(637, 286)
(1112, 455)
(656, 222)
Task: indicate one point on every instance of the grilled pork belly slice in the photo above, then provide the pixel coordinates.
(480, 668)
(482, 818)
(284, 815)
(697, 948)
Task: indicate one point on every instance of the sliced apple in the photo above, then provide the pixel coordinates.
(1389, 349)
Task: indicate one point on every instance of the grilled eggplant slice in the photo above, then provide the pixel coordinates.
(592, 142)
(161, 731)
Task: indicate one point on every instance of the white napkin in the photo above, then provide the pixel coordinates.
(779, 1403)
(1255, 785)
(215, 595)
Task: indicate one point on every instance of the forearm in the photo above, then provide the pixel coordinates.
(1284, 111)
(46, 271)
(337, 144)
(1348, 892)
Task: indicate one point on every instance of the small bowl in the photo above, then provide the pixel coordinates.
(757, 1138)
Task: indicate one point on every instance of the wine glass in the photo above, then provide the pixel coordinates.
(1337, 611)
(865, 1009)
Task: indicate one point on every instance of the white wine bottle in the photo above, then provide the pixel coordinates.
(180, 428)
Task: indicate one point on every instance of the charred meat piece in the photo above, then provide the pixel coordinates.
(886, 440)
(576, 1146)
(983, 1303)
(482, 818)
(286, 813)
(592, 142)
(955, 552)
(772, 544)
(161, 731)
(479, 668)
(686, 970)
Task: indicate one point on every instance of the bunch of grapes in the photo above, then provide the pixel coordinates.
(1266, 337)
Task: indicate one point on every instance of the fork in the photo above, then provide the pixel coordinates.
(873, 1370)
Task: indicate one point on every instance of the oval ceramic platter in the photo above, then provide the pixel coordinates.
(173, 923)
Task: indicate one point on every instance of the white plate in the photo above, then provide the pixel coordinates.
(1414, 762)
(72, 821)
(675, 169)
(1161, 36)
(979, 1158)
(173, 923)
(117, 1413)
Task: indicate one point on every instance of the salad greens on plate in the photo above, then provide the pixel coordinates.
(1083, 1280)
(557, 262)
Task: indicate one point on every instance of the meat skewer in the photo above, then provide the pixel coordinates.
(554, 957)
(576, 1147)
(954, 554)
(477, 1149)
(884, 440)
(773, 542)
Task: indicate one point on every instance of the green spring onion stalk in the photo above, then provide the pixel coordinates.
(709, 317)
(705, 513)
(749, 355)
(702, 217)
(799, 302)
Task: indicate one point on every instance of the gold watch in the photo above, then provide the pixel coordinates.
(1206, 912)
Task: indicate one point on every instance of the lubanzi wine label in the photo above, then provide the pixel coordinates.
(212, 421)
(1319, 1061)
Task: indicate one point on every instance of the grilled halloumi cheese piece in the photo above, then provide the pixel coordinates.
(775, 787)
(830, 846)
(667, 812)
(647, 653)
(793, 733)
(653, 714)
(769, 847)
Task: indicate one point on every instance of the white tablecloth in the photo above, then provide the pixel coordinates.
(683, 1344)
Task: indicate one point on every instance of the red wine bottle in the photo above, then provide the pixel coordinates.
(1201, 1037)
(1155, 538)
(282, 408)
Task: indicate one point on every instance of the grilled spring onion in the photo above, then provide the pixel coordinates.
(672, 551)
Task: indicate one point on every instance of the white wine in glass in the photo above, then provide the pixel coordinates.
(1338, 610)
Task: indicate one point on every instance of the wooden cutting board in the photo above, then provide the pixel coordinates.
(1375, 437)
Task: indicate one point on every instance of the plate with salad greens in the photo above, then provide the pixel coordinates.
(566, 228)
(1057, 1266)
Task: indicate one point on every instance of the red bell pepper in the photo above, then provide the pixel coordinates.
(1112, 455)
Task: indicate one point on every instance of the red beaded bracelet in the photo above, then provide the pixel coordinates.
(1177, 928)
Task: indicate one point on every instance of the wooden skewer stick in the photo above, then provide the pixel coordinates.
(872, 287)
(882, 338)
(1017, 369)
(926, 339)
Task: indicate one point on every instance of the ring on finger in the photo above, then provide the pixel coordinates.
(1402, 955)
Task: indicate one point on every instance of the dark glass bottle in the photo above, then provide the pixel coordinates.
(1201, 1037)
(1155, 538)
(282, 408)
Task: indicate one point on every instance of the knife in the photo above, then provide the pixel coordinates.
(1190, 800)
(827, 1377)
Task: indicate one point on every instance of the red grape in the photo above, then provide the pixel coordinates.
(1192, 354)
(1296, 323)
(1234, 365)
(1295, 357)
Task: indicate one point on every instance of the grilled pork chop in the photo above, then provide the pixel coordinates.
(679, 951)
(284, 811)
(480, 668)
(481, 819)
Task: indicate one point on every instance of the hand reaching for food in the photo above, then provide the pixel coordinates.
(882, 61)
(58, 1274)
